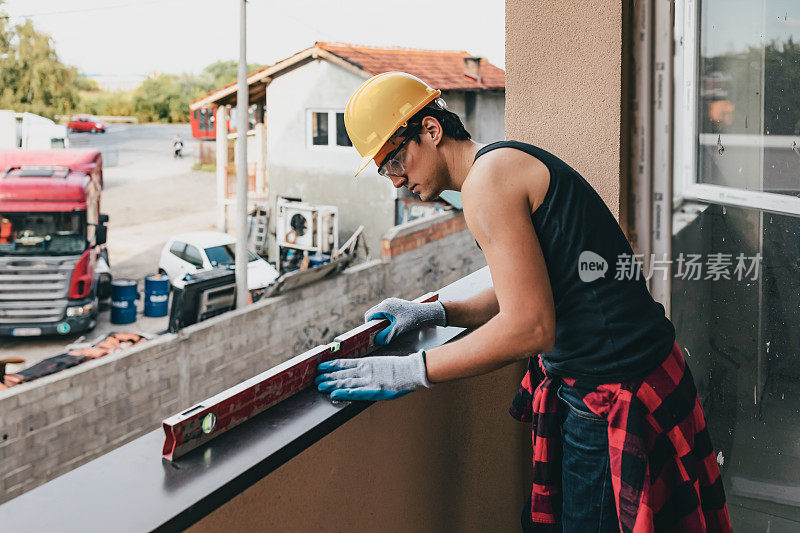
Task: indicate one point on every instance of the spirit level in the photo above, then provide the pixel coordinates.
(216, 415)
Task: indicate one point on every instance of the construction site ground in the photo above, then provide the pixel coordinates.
(149, 195)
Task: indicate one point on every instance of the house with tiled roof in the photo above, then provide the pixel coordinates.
(299, 148)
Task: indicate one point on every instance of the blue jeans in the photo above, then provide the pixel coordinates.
(588, 497)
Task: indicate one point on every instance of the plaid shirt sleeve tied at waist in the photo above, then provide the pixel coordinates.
(663, 468)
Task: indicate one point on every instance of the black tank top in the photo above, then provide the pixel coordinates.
(608, 330)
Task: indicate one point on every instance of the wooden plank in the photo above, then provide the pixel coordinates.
(210, 418)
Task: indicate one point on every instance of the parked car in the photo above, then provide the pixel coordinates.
(203, 250)
(86, 123)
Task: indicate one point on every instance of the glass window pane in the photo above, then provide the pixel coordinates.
(742, 343)
(749, 115)
(225, 255)
(342, 139)
(319, 129)
(177, 249)
(42, 233)
(192, 255)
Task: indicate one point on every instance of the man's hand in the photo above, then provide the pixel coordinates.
(373, 378)
(405, 316)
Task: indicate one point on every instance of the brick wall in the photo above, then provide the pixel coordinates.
(420, 232)
(57, 423)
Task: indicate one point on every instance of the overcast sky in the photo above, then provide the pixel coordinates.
(127, 37)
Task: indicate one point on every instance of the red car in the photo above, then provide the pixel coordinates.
(86, 123)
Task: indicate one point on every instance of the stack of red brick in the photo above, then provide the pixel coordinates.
(404, 243)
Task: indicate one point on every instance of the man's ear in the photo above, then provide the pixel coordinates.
(432, 128)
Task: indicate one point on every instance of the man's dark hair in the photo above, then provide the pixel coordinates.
(451, 123)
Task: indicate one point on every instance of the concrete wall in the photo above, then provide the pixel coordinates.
(484, 117)
(57, 423)
(564, 85)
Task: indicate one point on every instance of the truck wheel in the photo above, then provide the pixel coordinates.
(104, 287)
(93, 130)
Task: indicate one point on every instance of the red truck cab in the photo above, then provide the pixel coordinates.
(53, 262)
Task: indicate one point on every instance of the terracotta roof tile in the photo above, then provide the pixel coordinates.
(441, 69)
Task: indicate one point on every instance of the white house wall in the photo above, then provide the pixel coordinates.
(486, 123)
(489, 123)
(322, 175)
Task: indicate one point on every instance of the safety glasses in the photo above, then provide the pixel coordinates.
(393, 164)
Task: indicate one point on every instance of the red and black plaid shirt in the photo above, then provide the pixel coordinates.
(663, 468)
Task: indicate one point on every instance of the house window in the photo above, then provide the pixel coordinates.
(326, 128)
(342, 139)
(741, 106)
(735, 242)
(319, 129)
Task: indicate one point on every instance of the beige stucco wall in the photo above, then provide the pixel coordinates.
(446, 459)
(564, 85)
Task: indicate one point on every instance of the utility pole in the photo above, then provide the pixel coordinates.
(241, 163)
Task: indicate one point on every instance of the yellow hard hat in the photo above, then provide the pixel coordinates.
(382, 105)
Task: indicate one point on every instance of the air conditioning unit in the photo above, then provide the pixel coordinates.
(303, 226)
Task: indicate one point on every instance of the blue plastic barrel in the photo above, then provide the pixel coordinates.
(123, 301)
(318, 259)
(156, 295)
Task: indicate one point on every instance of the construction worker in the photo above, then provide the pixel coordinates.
(619, 437)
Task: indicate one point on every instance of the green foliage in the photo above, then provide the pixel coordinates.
(740, 82)
(31, 76)
(105, 103)
(33, 79)
(86, 84)
(220, 73)
(204, 167)
(782, 79)
(166, 98)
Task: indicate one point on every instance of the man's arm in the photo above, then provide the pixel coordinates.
(525, 322)
(473, 312)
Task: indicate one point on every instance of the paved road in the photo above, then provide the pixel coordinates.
(149, 196)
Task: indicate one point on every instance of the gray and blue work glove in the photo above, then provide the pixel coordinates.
(405, 316)
(373, 378)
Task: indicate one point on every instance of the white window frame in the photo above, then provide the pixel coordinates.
(687, 44)
(331, 128)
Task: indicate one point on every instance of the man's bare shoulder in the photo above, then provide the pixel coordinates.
(510, 169)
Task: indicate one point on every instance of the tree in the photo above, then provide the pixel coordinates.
(86, 84)
(782, 80)
(740, 76)
(166, 98)
(32, 78)
(220, 73)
